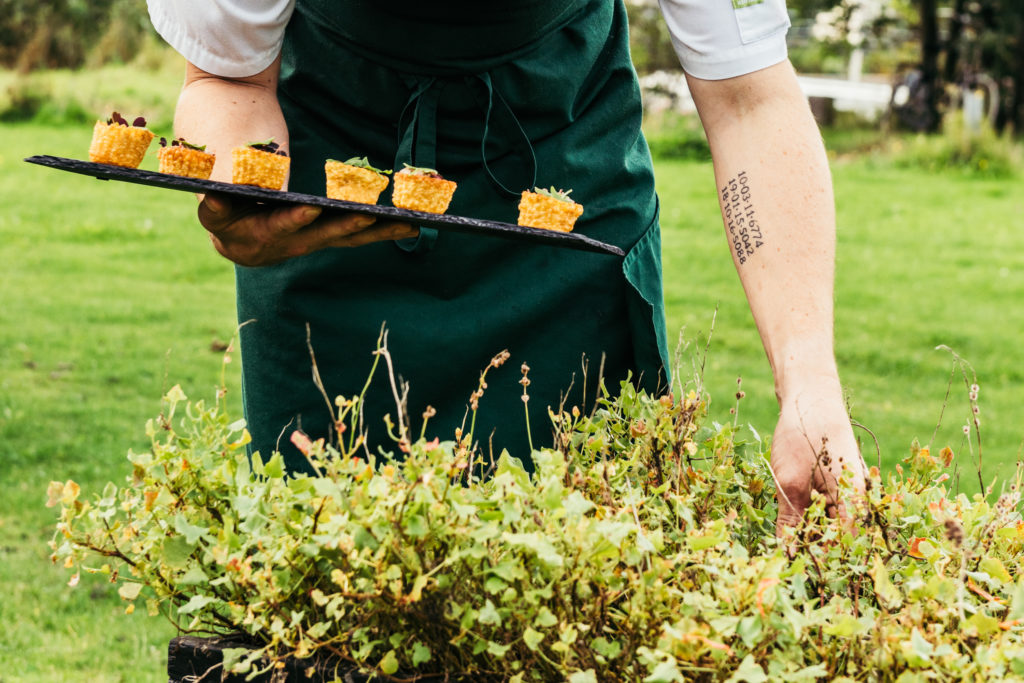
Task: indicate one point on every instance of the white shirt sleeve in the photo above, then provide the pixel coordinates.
(231, 38)
(718, 39)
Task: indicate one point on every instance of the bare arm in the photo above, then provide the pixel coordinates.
(775, 192)
(224, 113)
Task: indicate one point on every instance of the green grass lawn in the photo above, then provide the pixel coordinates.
(111, 294)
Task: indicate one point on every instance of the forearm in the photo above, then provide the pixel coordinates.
(776, 197)
(226, 113)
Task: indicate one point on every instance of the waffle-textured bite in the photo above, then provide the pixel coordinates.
(118, 144)
(255, 167)
(186, 161)
(420, 191)
(542, 211)
(352, 183)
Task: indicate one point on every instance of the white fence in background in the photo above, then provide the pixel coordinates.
(667, 90)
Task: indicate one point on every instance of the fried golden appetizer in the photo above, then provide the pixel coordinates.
(355, 180)
(180, 157)
(422, 189)
(263, 164)
(119, 143)
(549, 209)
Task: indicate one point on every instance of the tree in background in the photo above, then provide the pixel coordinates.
(986, 41)
(38, 34)
(960, 43)
(649, 39)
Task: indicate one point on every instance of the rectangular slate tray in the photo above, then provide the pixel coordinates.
(463, 224)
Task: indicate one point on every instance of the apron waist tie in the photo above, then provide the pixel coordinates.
(417, 145)
(522, 141)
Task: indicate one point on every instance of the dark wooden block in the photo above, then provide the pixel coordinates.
(198, 660)
(191, 660)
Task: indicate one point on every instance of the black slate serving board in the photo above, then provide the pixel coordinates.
(473, 226)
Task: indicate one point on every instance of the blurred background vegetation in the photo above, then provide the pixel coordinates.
(941, 48)
(954, 67)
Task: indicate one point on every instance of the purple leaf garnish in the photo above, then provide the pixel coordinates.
(139, 122)
(116, 118)
(182, 142)
(268, 146)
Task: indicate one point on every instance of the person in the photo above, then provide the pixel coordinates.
(501, 97)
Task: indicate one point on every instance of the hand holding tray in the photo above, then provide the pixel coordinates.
(473, 226)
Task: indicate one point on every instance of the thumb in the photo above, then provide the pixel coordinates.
(216, 204)
(793, 498)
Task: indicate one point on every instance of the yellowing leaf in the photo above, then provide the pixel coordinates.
(844, 626)
(983, 624)
(129, 591)
(70, 493)
(532, 638)
(416, 593)
(53, 493)
(176, 394)
(887, 593)
(995, 568)
(389, 663)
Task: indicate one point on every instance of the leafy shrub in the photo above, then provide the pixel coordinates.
(642, 548)
(38, 35)
(24, 99)
(32, 99)
(80, 97)
(671, 135)
(982, 153)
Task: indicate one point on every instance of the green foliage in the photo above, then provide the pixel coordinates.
(71, 33)
(671, 135)
(980, 153)
(650, 44)
(553, 193)
(25, 99)
(74, 98)
(642, 548)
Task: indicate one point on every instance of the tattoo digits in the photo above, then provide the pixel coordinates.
(740, 218)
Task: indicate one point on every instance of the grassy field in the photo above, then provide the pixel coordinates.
(111, 294)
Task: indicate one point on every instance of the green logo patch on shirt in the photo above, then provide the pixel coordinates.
(740, 4)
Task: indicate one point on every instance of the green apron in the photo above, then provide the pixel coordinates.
(499, 97)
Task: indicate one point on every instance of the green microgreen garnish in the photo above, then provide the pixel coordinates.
(419, 170)
(363, 162)
(560, 195)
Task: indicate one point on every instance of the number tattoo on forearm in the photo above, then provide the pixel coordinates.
(745, 233)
